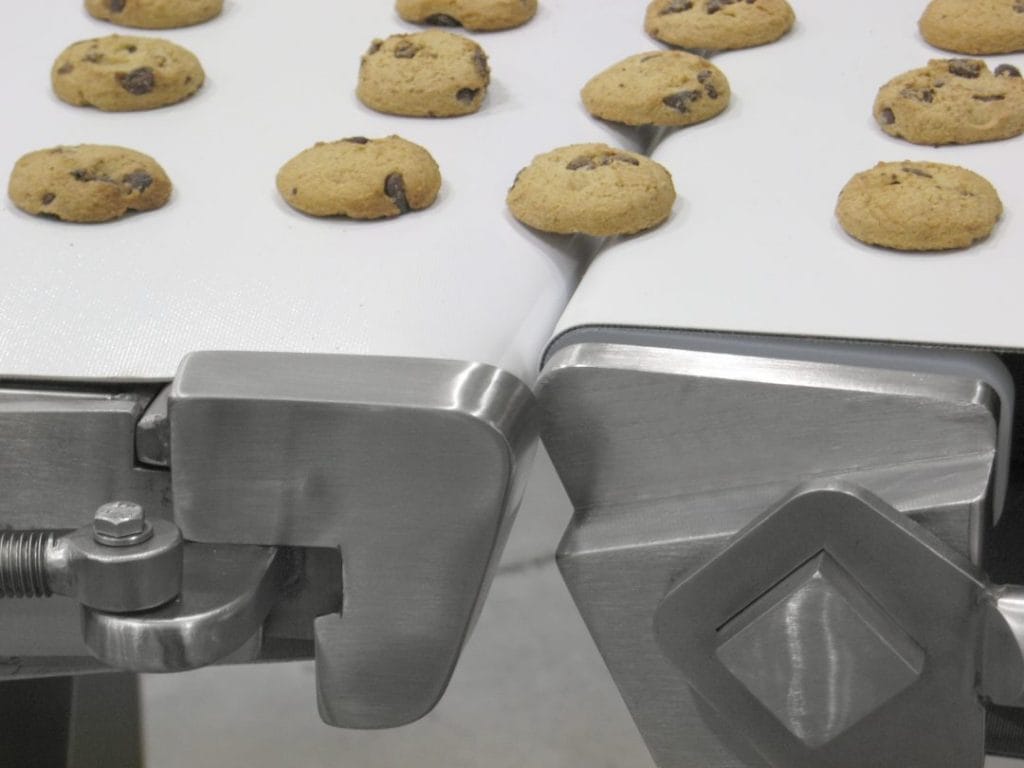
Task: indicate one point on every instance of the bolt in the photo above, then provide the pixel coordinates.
(121, 523)
(23, 563)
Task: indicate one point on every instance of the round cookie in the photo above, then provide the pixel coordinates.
(718, 25)
(974, 26)
(426, 74)
(88, 183)
(121, 73)
(658, 88)
(360, 178)
(592, 189)
(913, 206)
(154, 14)
(952, 101)
(476, 15)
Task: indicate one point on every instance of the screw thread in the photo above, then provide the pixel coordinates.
(23, 563)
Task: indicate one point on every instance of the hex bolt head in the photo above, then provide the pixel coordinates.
(119, 520)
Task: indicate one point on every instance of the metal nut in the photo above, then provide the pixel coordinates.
(119, 520)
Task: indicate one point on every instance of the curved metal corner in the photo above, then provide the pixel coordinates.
(413, 468)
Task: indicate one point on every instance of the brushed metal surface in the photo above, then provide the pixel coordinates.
(927, 597)
(64, 452)
(667, 453)
(411, 467)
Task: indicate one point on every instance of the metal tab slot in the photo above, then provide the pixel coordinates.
(347, 508)
(748, 626)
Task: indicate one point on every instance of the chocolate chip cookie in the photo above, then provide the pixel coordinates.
(718, 25)
(975, 26)
(912, 206)
(426, 74)
(477, 15)
(121, 73)
(88, 183)
(953, 101)
(658, 88)
(154, 14)
(360, 178)
(592, 189)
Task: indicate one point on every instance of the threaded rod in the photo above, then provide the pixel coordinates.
(23, 563)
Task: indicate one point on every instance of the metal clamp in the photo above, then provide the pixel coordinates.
(289, 473)
(121, 562)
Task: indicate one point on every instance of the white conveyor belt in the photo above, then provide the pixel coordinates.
(227, 265)
(753, 245)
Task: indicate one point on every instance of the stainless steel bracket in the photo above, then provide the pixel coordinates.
(668, 453)
(408, 471)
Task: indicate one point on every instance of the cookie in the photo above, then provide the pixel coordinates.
(154, 14)
(974, 26)
(912, 206)
(427, 74)
(88, 183)
(658, 88)
(360, 178)
(121, 73)
(953, 101)
(718, 25)
(477, 15)
(592, 189)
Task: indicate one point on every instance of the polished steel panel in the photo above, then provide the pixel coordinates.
(410, 467)
(921, 601)
(667, 453)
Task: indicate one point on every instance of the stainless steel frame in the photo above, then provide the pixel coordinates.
(348, 507)
(668, 454)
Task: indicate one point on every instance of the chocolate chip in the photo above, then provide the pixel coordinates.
(676, 6)
(442, 20)
(681, 101)
(927, 95)
(1018, 6)
(65, 68)
(591, 162)
(93, 57)
(139, 180)
(714, 6)
(1007, 70)
(916, 172)
(406, 50)
(988, 97)
(81, 174)
(887, 116)
(138, 82)
(115, 6)
(295, 190)
(466, 95)
(48, 198)
(374, 47)
(394, 187)
(965, 68)
(480, 62)
(703, 76)
(357, 140)
(131, 48)
(711, 91)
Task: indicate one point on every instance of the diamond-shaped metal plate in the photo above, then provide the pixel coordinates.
(799, 646)
(833, 632)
